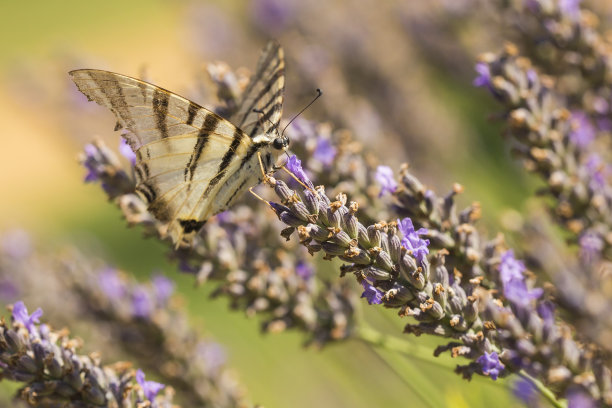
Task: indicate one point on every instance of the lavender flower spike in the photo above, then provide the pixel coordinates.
(295, 166)
(150, 388)
(20, 315)
(411, 239)
(490, 365)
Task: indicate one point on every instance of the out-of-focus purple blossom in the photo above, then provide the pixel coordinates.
(111, 284)
(126, 150)
(8, 291)
(384, 177)
(324, 152)
(142, 305)
(484, 75)
(273, 16)
(91, 163)
(16, 244)
(411, 240)
(212, 354)
(571, 8)
(590, 247)
(578, 398)
(583, 132)
(20, 315)
(164, 288)
(149, 388)
(601, 105)
(604, 124)
(294, 165)
(597, 171)
(490, 364)
(304, 270)
(372, 294)
(524, 390)
(532, 5)
(511, 275)
(546, 310)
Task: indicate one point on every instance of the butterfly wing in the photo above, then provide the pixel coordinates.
(184, 153)
(264, 93)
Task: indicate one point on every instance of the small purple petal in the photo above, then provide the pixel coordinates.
(411, 240)
(163, 287)
(149, 388)
(510, 268)
(111, 284)
(126, 151)
(304, 270)
(384, 176)
(582, 131)
(525, 391)
(484, 75)
(490, 365)
(20, 314)
(90, 163)
(324, 152)
(578, 398)
(590, 247)
(142, 305)
(372, 294)
(294, 165)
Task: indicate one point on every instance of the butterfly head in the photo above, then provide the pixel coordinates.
(281, 142)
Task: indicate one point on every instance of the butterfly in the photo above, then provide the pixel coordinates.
(190, 162)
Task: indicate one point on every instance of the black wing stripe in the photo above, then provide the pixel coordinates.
(160, 108)
(278, 73)
(227, 159)
(209, 126)
(192, 110)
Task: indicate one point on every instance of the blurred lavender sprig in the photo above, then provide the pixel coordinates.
(55, 375)
(123, 317)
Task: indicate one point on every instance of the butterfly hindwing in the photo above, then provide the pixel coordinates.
(264, 93)
(184, 153)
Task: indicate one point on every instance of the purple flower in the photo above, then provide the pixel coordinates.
(570, 8)
(149, 388)
(510, 268)
(511, 275)
(20, 315)
(273, 16)
(597, 171)
(524, 390)
(142, 306)
(294, 165)
(546, 310)
(324, 152)
(384, 177)
(126, 150)
(304, 270)
(490, 364)
(111, 284)
(163, 287)
(578, 398)
(484, 75)
(373, 295)
(582, 130)
(91, 163)
(411, 240)
(590, 247)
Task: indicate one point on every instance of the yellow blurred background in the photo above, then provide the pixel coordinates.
(390, 72)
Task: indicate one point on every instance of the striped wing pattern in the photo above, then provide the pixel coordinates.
(185, 154)
(264, 93)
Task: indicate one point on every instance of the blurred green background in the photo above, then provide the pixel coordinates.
(398, 75)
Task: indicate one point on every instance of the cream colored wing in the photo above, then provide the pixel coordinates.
(184, 153)
(261, 107)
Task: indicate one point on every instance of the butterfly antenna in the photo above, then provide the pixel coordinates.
(319, 93)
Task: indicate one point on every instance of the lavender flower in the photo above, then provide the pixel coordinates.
(372, 295)
(294, 165)
(91, 163)
(412, 239)
(515, 289)
(20, 315)
(163, 288)
(150, 388)
(484, 75)
(570, 8)
(142, 305)
(583, 132)
(126, 150)
(324, 152)
(591, 246)
(384, 177)
(525, 391)
(304, 270)
(490, 365)
(110, 283)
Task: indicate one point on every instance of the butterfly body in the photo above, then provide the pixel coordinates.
(191, 163)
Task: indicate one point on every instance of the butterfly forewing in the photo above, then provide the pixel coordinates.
(190, 162)
(261, 106)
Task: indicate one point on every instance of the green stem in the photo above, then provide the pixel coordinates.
(414, 350)
(546, 393)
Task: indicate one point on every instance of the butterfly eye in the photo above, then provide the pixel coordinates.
(280, 143)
